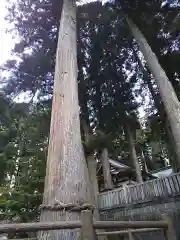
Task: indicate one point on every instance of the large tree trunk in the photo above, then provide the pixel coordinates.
(66, 179)
(172, 148)
(106, 169)
(148, 160)
(92, 164)
(169, 98)
(160, 107)
(133, 155)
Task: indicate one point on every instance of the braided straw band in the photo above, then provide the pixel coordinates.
(67, 207)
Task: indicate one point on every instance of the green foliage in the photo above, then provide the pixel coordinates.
(112, 84)
(23, 159)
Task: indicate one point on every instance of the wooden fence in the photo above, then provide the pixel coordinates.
(161, 188)
(88, 226)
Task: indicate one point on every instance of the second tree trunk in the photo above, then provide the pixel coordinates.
(167, 93)
(133, 156)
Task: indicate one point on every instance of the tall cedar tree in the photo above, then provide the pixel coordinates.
(66, 180)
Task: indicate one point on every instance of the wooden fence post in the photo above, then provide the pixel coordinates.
(170, 233)
(130, 235)
(87, 229)
(125, 192)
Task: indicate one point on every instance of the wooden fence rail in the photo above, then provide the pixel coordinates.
(124, 232)
(130, 224)
(160, 188)
(88, 227)
(38, 226)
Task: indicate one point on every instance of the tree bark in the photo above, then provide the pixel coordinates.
(91, 162)
(92, 165)
(170, 140)
(133, 156)
(67, 178)
(144, 162)
(172, 148)
(167, 93)
(160, 107)
(106, 169)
